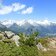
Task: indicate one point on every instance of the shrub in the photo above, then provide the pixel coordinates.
(30, 41)
(7, 41)
(43, 41)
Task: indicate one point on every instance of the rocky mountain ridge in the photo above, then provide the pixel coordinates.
(45, 28)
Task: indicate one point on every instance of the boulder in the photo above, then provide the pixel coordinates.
(16, 38)
(8, 34)
(40, 47)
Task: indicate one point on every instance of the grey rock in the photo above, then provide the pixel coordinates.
(40, 47)
(16, 38)
(8, 34)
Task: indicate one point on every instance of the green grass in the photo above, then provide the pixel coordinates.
(12, 50)
(24, 50)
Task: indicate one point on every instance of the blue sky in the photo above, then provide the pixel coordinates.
(28, 9)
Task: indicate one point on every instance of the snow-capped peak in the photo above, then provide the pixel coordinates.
(21, 22)
(45, 22)
(8, 23)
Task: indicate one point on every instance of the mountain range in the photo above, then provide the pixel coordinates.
(29, 26)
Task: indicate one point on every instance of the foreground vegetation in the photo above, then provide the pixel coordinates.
(27, 46)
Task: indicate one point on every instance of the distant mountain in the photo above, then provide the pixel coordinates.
(3, 27)
(28, 26)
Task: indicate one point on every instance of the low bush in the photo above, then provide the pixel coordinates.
(7, 40)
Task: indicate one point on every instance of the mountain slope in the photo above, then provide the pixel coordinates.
(28, 26)
(3, 27)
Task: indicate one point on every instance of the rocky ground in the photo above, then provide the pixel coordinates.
(50, 42)
(9, 35)
(50, 46)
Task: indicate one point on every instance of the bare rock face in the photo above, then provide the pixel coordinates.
(8, 34)
(16, 38)
(40, 47)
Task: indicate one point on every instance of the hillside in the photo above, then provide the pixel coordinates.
(23, 45)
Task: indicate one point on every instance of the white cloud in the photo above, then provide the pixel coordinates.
(14, 8)
(5, 10)
(8, 9)
(18, 6)
(28, 10)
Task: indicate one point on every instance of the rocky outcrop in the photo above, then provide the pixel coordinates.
(8, 34)
(51, 45)
(40, 47)
(16, 38)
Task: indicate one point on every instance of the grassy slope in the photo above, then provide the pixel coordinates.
(10, 49)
